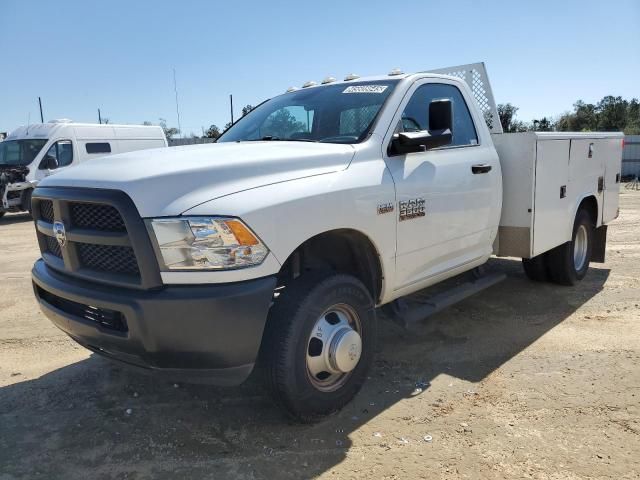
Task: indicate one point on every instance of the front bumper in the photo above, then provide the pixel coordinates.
(203, 333)
(11, 195)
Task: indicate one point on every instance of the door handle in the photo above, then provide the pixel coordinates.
(481, 168)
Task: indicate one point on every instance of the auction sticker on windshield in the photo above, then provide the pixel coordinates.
(365, 89)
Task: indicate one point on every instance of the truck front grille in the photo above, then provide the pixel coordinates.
(104, 238)
(108, 258)
(46, 210)
(53, 247)
(96, 216)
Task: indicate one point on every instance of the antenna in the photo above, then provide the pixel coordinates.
(99, 117)
(175, 89)
(231, 102)
(41, 116)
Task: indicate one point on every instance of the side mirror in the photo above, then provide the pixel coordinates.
(49, 162)
(440, 115)
(438, 135)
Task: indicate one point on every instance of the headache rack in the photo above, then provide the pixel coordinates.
(475, 74)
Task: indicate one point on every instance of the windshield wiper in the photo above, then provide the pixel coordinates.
(271, 138)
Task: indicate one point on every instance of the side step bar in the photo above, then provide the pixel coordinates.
(410, 312)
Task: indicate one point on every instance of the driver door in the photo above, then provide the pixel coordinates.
(446, 204)
(59, 155)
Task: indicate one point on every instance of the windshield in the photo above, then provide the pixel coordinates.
(20, 152)
(341, 113)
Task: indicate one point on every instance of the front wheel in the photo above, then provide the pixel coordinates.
(319, 344)
(26, 201)
(569, 262)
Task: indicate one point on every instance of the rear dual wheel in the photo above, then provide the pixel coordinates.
(536, 268)
(567, 263)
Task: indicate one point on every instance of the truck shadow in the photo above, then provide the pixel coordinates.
(92, 418)
(10, 219)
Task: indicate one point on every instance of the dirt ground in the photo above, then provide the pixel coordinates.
(523, 380)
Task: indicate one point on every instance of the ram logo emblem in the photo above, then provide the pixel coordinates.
(60, 233)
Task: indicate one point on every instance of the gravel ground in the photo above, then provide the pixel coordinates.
(523, 380)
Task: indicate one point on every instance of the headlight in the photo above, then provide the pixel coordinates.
(206, 243)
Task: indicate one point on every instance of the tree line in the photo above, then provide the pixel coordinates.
(611, 114)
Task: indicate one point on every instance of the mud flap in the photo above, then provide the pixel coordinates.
(599, 244)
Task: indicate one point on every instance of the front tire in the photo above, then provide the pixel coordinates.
(569, 262)
(319, 344)
(26, 202)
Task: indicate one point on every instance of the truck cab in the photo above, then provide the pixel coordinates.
(278, 244)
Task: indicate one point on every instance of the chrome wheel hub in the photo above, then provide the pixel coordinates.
(334, 347)
(580, 247)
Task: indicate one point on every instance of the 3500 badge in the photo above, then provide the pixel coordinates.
(413, 208)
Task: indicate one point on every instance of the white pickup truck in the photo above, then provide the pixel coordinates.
(276, 245)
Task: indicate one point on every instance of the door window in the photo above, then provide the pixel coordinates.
(61, 151)
(415, 116)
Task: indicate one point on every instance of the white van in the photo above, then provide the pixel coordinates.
(31, 153)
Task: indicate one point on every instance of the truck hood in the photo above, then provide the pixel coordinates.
(169, 181)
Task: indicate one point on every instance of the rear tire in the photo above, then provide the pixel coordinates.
(292, 350)
(26, 202)
(569, 262)
(536, 268)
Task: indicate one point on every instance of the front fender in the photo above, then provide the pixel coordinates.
(285, 215)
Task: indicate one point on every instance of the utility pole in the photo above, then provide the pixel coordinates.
(41, 116)
(99, 117)
(231, 102)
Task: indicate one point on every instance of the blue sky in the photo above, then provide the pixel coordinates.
(119, 55)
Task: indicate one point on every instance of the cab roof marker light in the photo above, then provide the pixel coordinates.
(291, 89)
(351, 76)
(395, 71)
(328, 80)
(308, 84)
